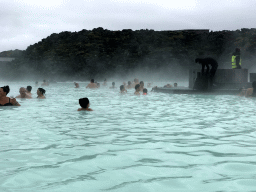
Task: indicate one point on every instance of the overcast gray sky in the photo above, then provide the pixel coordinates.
(25, 22)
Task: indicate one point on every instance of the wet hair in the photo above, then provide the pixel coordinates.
(29, 88)
(92, 80)
(175, 84)
(113, 83)
(142, 82)
(129, 83)
(254, 88)
(83, 102)
(42, 90)
(145, 90)
(121, 87)
(137, 86)
(6, 89)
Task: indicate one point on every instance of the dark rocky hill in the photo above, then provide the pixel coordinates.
(101, 52)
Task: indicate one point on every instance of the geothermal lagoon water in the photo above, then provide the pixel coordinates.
(159, 142)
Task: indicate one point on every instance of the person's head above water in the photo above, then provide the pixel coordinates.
(175, 84)
(129, 83)
(113, 83)
(23, 91)
(29, 88)
(41, 90)
(6, 89)
(145, 90)
(141, 83)
(92, 80)
(137, 87)
(121, 87)
(83, 102)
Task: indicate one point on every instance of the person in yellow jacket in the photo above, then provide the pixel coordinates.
(236, 59)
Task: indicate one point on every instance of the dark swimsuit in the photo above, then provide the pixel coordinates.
(7, 104)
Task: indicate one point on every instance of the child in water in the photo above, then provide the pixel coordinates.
(137, 89)
(85, 104)
(145, 91)
(122, 89)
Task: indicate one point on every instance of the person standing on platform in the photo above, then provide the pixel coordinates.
(236, 59)
(209, 73)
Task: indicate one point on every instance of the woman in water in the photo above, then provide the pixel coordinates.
(40, 92)
(251, 92)
(6, 101)
(85, 104)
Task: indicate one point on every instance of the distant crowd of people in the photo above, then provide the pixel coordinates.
(84, 102)
(24, 93)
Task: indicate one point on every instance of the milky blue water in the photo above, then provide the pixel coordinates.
(159, 142)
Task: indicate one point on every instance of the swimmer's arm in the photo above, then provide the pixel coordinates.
(14, 102)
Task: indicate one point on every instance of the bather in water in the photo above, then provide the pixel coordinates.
(23, 93)
(29, 88)
(40, 92)
(92, 84)
(137, 89)
(85, 104)
(122, 89)
(6, 101)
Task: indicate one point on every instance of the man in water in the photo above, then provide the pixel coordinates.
(85, 104)
(209, 73)
(29, 88)
(92, 84)
(23, 93)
